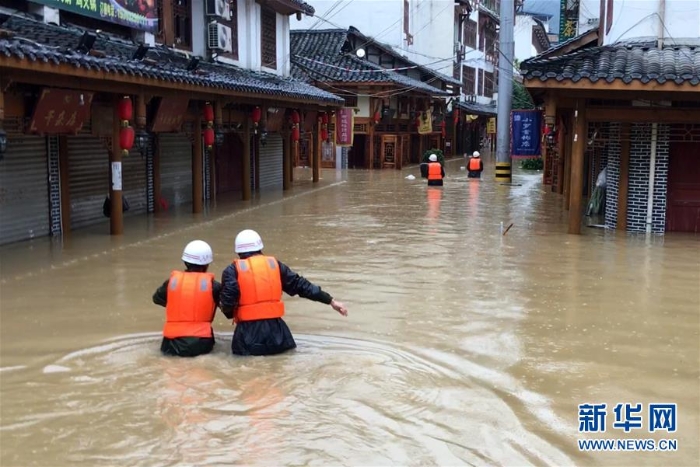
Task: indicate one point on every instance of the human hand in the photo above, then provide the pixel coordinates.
(339, 307)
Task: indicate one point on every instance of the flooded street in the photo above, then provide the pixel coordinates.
(462, 346)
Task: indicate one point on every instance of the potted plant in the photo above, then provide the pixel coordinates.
(425, 160)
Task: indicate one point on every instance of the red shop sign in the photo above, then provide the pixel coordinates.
(60, 112)
(344, 126)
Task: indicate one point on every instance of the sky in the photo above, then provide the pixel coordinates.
(550, 7)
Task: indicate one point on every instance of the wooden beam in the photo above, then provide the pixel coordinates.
(64, 75)
(617, 85)
(643, 114)
(245, 173)
(197, 161)
(116, 215)
(622, 189)
(620, 95)
(577, 166)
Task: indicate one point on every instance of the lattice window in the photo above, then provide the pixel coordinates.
(268, 39)
(182, 23)
(360, 128)
(470, 34)
(468, 80)
(350, 101)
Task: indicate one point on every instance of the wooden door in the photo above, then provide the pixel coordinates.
(683, 211)
(389, 151)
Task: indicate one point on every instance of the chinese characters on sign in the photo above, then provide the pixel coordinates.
(137, 14)
(526, 126)
(170, 115)
(344, 126)
(491, 126)
(628, 417)
(568, 22)
(60, 112)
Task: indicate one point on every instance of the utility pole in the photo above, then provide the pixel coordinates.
(505, 90)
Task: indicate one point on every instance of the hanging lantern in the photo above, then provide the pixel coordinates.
(324, 134)
(324, 118)
(125, 109)
(256, 115)
(456, 116)
(295, 117)
(126, 139)
(377, 117)
(209, 137)
(295, 134)
(208, 112)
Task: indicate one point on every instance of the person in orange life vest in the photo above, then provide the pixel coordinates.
(190, 299)
(476, 166)
(435, 171)
(251, 295)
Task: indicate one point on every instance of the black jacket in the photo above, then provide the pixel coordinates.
(265, 336)
(185, 346)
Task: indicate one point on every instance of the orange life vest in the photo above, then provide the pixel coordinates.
(474, 165)
(190, 306)
(434, 171)
(261, 288)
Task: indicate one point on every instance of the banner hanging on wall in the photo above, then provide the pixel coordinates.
(526, 126)
(136, 14)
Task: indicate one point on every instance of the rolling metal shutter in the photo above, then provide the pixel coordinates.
(134, 182)
(271, 177)
(175, 168)
(88, 166)
(24, 189)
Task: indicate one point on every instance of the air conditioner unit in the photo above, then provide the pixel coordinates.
(220, 37)
(220, 8)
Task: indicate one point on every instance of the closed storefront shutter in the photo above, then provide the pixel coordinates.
(24, 190)
(271, 163)
(88, 166)
(175, 168)
(134, 182)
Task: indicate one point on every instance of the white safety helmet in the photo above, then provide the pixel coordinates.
(248, 241)
(476, 154)
(433, 158)
(198, 252)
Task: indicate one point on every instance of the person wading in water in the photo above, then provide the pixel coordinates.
(435, 171)
(251, 295)
(190, 298)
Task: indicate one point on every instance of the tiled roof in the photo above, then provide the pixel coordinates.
(318, 56)
(586, 38)
(38, 42)
(305, 7)
(478, 109)
(626, 61)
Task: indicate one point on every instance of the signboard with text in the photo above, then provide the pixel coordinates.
(491, 126)
(170, 115)
(526, 139)
(60, 112)
(344, 126)
(136, 14)
(568, 19)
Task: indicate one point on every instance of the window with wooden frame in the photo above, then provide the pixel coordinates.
(175, 22)
(480, 86)
(470, 34)
(268, 38)
(488, 84)
(468, 80)
(350, 101)
(233, 24)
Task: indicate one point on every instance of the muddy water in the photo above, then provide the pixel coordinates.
(463, 346)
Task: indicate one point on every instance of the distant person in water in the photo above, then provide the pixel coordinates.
(476, 165)
(190, 298)
(435, 171)
(251, 295)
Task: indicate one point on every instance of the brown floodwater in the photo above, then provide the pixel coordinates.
(462, 347)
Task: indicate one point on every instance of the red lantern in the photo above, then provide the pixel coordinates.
(295, 117)
(324, 118)
(257, 114)
(126, 139)
(208, 135)
(377, 117)
(295, 134)
(208, 112)
(125, 108)
(456, 116)
(324, 135)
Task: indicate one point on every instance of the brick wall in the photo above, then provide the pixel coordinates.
(54, 186)
(638, 191)
(613, 176)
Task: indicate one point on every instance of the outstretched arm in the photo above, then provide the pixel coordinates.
(294, 284)
(161, 295)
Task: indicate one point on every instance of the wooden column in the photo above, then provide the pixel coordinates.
(245, 173)
(577, 167)
(622, 188)
(561, 147)
(550, 116)
(286, 160)
(316, 164)
(64, 177)
(116, 217)
(197, 161)
(156, 174)
(369, 157)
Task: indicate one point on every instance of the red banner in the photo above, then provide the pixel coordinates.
(170, 115)
(344, 126)
(61, 112)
